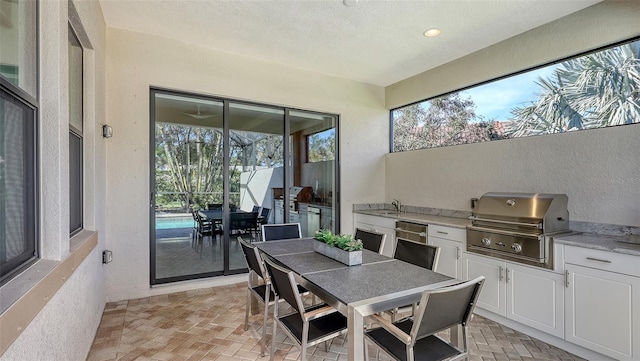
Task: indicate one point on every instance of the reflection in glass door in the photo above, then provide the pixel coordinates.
(312, 155)
(256, 156)
(223, 168)
(188, 185)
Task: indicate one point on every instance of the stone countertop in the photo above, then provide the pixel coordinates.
(418, 218)
(617, 244)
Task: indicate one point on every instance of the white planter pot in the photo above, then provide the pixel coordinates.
(352, 258)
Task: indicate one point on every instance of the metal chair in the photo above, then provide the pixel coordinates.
(420, 254)
(373, 241)
(306, 326)
(205, 229)
(262, 292)
(271, 232)
(415, 338)
(263, 218)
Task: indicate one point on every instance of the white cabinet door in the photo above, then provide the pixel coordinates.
(493, 295)
(389, 243)
(536, 298)
(278, 216)
(450, 262)
(602, 311)
(380, 225)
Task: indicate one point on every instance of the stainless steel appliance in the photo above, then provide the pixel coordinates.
(518, 226)
(298, 194)
(413, 232)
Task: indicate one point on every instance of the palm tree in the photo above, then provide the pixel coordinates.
(597, 90)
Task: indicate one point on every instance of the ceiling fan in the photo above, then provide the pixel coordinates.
(200, 116)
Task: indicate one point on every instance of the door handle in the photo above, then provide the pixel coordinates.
(507, 274)
(457, 252)
(566, 278)
(501, 276)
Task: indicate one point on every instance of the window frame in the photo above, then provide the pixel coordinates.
(77, 133)
(31, 101)
(499, 78)
(31, 214)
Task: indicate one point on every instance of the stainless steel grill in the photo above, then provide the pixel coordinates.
(518, 226)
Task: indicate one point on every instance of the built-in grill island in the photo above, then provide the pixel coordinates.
(518, 226)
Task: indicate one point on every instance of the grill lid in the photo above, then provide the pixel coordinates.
(530, 212)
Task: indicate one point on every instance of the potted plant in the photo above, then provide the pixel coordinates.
(341, 247)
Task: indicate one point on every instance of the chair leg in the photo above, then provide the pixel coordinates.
(366, 350)
(264, 323)
(246, 313)
(275, 329)
(305, 340)
(326, 345)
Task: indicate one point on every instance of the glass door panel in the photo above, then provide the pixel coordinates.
(313, 151)
(222, 168)
(256, 172)
(188, 177)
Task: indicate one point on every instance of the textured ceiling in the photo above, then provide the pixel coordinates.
(376, 42)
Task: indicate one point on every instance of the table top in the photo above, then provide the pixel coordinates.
(377, 276)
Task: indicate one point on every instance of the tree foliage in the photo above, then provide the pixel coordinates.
(442, 121)
(597, 90)
(322, 146)
(189, 162)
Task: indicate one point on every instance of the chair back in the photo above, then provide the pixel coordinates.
(252, 256)
(373, 241)
(419, 254)
(284, 285)
(271, 232)
(445, 307)
(204, 225)
(264, 214)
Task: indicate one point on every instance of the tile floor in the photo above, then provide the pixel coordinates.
(208, 324)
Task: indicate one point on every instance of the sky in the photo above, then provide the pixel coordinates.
(496, 99)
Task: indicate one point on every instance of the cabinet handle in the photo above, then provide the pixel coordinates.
(566, 278)
(598, 259)
(501, 276)
(441, 232)
(507, 273)
(457, 252)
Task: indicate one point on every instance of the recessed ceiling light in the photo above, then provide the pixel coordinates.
(350, 2)
(432, 32)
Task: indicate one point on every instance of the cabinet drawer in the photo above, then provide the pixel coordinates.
(608, 261)
(452, 233)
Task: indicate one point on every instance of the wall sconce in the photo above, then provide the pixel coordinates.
(107, 131)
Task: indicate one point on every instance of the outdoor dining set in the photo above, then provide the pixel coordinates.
(395, 303)
(209, 223)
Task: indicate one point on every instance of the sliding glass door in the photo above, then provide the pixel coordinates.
(187, 177)
(222, 168)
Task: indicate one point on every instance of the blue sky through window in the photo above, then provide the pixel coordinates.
(495, 100)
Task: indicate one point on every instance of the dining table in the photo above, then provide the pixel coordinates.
(380, 283)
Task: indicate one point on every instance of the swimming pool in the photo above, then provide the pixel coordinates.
(174, 222)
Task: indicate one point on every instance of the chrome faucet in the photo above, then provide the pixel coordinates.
(396, 205)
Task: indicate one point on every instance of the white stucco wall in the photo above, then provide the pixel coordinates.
(64, 329)
(598, 169)
(137, 61)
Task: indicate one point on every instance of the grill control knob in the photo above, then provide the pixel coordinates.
(486, 242)
(516, 248)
